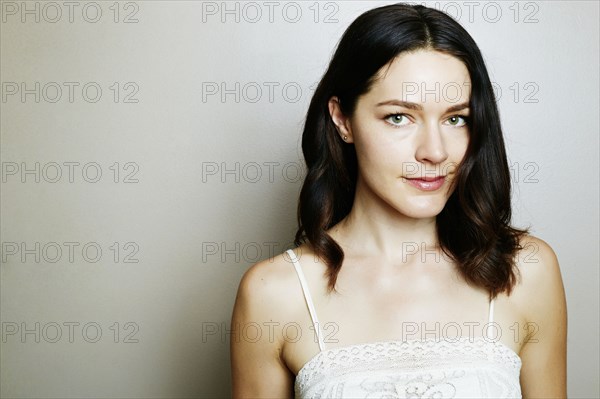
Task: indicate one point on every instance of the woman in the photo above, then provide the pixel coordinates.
(408, 280)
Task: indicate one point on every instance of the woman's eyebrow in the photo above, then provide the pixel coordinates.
(405, 104)
(458, 107)
(419, 107)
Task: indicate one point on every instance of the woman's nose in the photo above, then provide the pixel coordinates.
(430, 144)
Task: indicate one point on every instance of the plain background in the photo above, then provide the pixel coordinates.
(201, 169)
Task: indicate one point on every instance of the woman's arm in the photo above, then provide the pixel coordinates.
(258, 370)
(544, 355)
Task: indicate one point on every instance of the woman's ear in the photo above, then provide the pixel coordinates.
(341, 122)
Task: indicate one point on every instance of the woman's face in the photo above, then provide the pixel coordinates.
(410, 131)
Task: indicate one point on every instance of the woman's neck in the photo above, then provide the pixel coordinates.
(374, 228)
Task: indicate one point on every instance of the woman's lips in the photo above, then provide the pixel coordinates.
(427, 183)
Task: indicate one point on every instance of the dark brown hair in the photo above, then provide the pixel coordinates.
(474, 228)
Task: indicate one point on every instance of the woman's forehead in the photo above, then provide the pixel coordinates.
(423, 76)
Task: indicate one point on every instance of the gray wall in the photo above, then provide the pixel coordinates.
(195, 186)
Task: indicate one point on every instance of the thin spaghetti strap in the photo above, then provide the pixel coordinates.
(488, 326)
(307, 298)
(490, 350)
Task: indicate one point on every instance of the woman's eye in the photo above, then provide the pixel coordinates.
(458, 120)
(397, 119)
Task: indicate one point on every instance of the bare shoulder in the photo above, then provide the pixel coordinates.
(540, 282)
(535, 248)
(540, 294)
(262, 301)
(265, 284)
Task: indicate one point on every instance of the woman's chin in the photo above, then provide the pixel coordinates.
(422, 210)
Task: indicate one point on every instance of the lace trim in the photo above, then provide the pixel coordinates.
(411, 355)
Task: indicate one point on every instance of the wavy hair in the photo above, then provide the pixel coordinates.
(474, 228)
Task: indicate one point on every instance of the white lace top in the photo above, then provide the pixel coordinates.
(463, 367)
